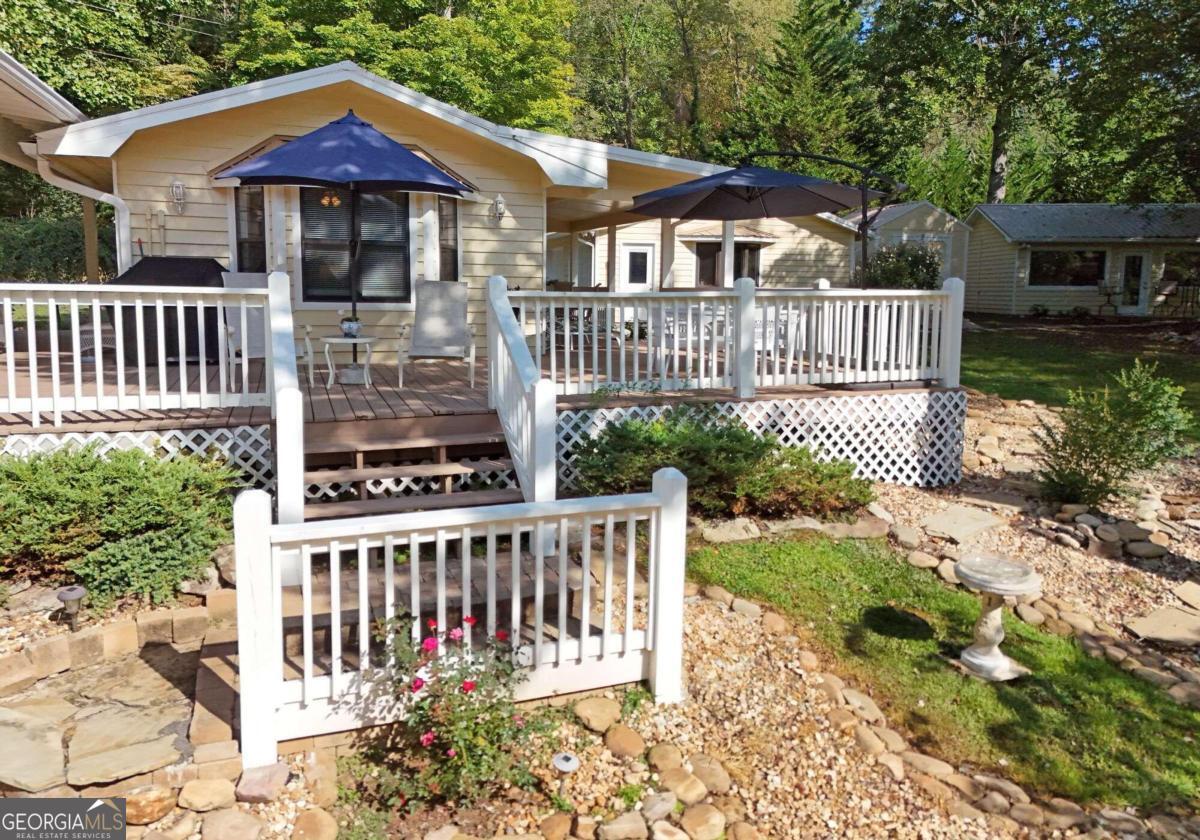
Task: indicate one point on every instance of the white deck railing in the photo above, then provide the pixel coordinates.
(102, 347)
(524, 401)
(742, 338)
(313, 598)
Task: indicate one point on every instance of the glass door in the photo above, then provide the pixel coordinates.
(1135, 284)
(636, 267)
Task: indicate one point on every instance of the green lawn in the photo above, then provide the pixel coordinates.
(1079, 727)
(1043, 363)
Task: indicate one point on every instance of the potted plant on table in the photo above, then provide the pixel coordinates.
(351, 324)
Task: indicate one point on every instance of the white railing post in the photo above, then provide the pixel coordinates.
(952, 323)
(286, 400)
(544, 414)
(497, 287)
(260, 658)
(744, 359)
(666, 673)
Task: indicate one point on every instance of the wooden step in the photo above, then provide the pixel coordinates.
(377, 444)
(403, 504)
(350, 474)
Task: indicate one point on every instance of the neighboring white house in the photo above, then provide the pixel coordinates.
(1104, 258)
(922, 223)
(775, 252)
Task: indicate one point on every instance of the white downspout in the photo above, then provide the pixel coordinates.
(124, 244)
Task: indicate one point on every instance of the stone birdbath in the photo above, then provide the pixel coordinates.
(995, 578)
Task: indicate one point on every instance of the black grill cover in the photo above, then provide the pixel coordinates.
(172, 271)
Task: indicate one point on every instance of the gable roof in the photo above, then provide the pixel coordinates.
(892, 212)
(27, 104)
(566, 161)
(1093, 222)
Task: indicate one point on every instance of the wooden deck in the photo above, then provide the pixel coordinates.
(431, 389)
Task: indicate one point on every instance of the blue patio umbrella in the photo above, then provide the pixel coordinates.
(750, 192)
(351, 154)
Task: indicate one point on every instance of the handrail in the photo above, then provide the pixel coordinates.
(287, 402)
(113, 289)
(524, 401)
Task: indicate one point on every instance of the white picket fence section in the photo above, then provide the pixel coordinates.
(316, 601)
(71, 347)
(741, 338)
(523, 400)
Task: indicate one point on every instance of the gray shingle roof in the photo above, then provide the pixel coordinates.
(1094, 222)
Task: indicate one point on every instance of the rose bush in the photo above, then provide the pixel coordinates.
(462, 735)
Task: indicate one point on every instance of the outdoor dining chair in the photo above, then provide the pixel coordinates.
(439, 329)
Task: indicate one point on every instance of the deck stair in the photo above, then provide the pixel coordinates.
(393, 466)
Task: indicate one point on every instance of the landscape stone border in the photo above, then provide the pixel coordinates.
(1000, 802)
(55, 654)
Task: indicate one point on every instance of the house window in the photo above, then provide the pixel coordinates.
(637, 271)
(251, 233)
(328, 223)
(1060, 267)
(745, 260)
(448, 238)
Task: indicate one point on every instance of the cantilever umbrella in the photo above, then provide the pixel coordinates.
(750, 192)
(346, 154)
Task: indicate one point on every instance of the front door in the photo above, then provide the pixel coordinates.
(636, 267)
(1135, 284)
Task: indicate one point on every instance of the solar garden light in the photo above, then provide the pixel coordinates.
(565, 764)
(72, 597)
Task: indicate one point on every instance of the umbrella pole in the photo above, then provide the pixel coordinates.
(354, 247)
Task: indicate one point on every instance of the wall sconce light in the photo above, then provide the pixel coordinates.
(71, 598)
(329, 198)
(178, 195)
(499, 208)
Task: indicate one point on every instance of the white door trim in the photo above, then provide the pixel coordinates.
(1142, 307)
(624, 251)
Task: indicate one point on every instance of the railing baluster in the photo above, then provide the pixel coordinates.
(10, 362)
(364, 607)
(98, 349)
(389, 594)
(119, 336)
(31, 348)
(139, 326)
(202, 355)
(585, 600)
(515, 574)
(181, 340)
(440, 569)
(539, 589)
(491, 581)
(608, 584)
(55, 387)
(161, 341)
(414, 585)
(562, 589)
(306, 609)
(465, 550)
(335, 617)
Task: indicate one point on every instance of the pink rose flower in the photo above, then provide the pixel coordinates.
(470, 620)
(456, 634)
(468, 686)
(428, 738)
(417, 684)
(501, 635)
(429, 645)
(452, 752)
(431, 624)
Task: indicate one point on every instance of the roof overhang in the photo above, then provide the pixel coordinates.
(565, 161)
(27, 105)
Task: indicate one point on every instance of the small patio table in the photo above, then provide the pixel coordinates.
(355, 374)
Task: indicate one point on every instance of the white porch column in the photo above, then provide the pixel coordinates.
(429, 235)
(727, 248)
(666, 248)
(571, 270)
(612, 257)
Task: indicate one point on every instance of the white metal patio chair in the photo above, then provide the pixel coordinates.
(253, 346)
(439, 329)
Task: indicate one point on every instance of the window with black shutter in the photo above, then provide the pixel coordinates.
(326, 217)
(250, 229)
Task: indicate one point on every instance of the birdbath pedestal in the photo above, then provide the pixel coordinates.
(994, 577)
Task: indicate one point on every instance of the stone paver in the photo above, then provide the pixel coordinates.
(960, 523)
(32, 757)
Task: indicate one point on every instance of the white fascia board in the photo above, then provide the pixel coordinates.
(17, 76)
(977, 210)
(566, 161)
(838, 220)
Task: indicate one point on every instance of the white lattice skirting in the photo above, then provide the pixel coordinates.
(902, 437)
(246, 448)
